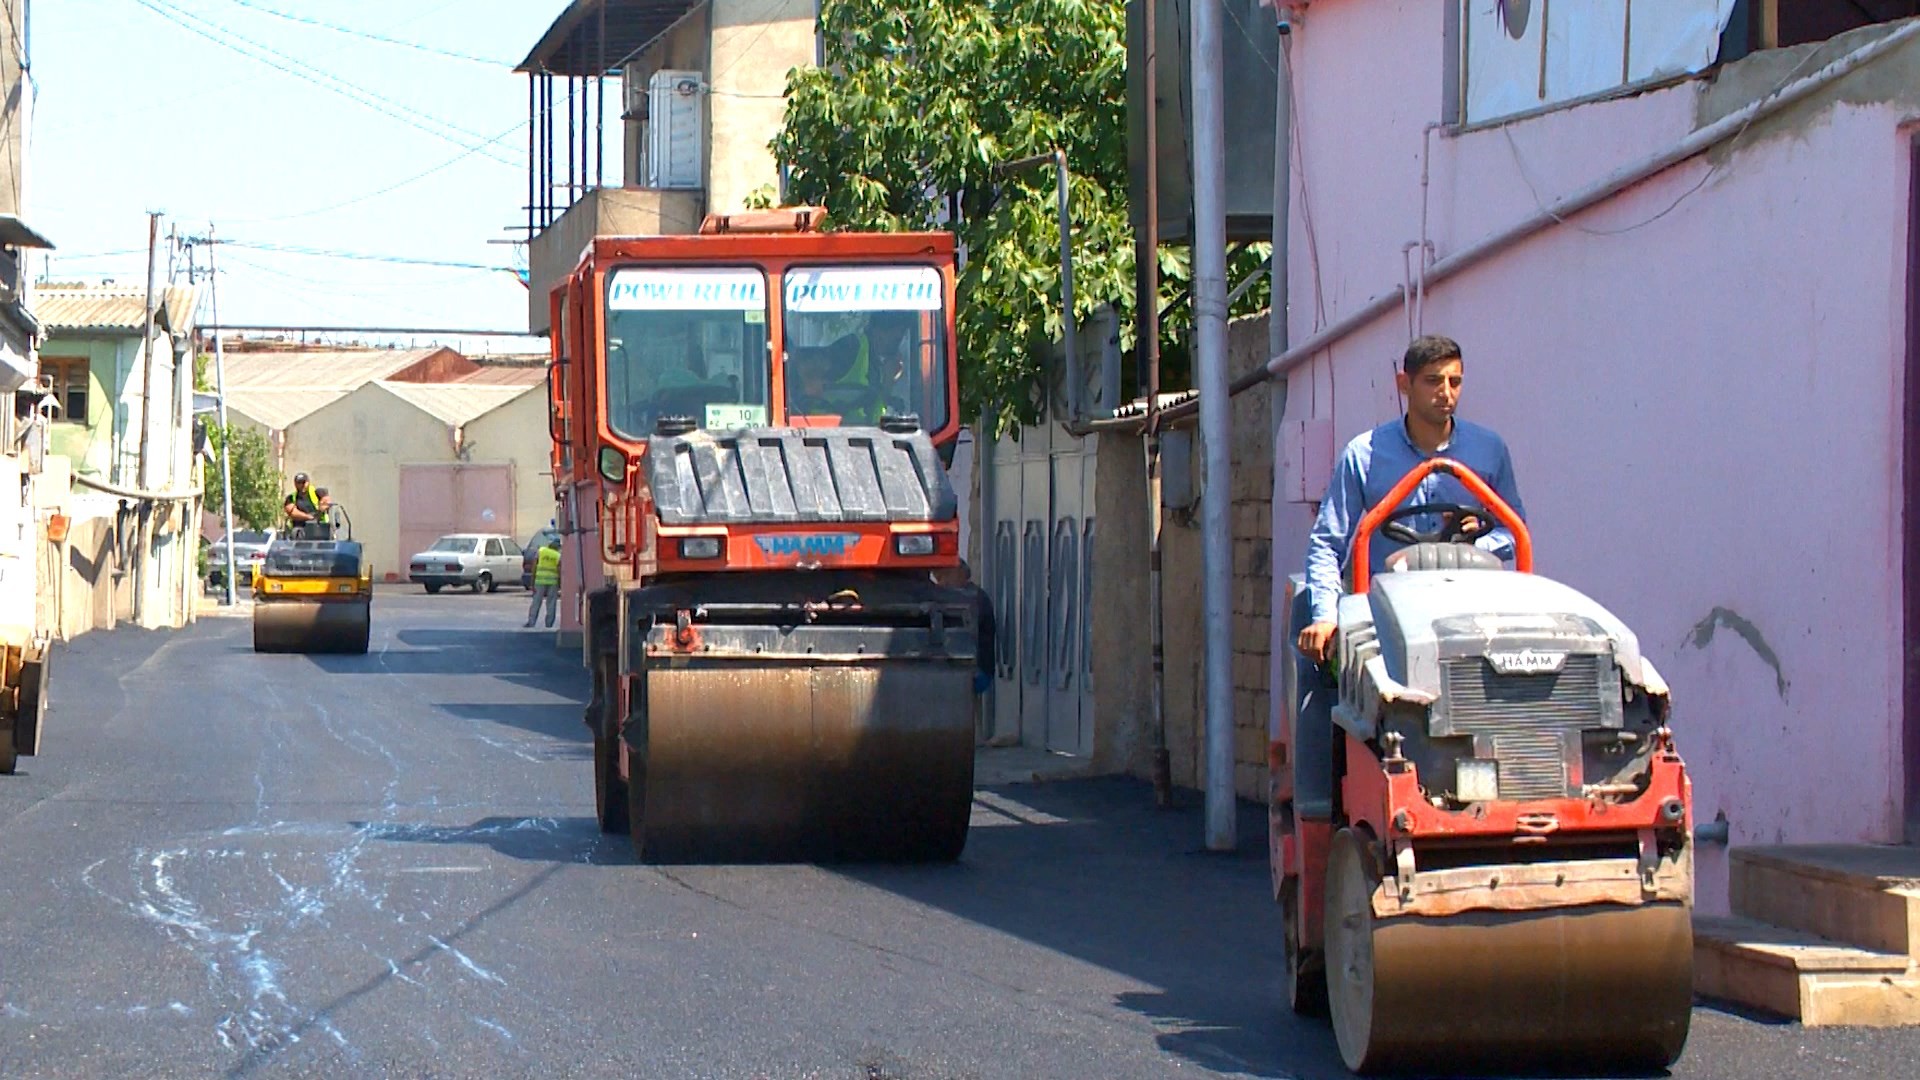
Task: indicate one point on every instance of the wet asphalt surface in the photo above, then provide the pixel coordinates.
(225, 864)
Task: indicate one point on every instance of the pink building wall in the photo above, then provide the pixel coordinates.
(1703, 407)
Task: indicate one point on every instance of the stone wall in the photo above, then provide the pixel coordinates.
(1183, 615)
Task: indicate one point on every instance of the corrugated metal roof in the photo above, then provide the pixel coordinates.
(596, 36)
(505, 375)
(454, 403)
(279, 408)
(110, 308)
(342, 370)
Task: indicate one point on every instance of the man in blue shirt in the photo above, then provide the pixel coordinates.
(1374, 462)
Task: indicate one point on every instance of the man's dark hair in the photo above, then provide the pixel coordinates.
(1428, 350)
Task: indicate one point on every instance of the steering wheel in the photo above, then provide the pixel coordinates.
(1450, 531)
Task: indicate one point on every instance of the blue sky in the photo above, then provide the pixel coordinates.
(136, 112)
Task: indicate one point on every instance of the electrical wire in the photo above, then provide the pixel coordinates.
(334, 291)
(95, 120)
(361, 256)
(389, 189)
(212, 31)
(747, 50)
(368, 35)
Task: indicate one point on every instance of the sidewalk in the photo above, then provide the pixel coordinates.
(996, 765)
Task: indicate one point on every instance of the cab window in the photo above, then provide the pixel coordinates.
(865, 341)
(686, 342)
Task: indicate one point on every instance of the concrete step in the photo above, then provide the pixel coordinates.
(1802, 976)
(1866, 895)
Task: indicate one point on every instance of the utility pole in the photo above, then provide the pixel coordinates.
(220, 390)
(1216, 417)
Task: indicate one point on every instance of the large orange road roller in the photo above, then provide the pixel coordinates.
(750, 431)
(1480, 827)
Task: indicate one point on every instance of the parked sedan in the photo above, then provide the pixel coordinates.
(480, 561)
(249, 550)
(531, 554)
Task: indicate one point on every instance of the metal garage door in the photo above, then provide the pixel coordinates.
(440, 499)
(1038, 534)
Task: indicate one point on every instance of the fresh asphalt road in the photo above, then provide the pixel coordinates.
(230, 864)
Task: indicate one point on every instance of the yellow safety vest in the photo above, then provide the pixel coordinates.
(546, 570)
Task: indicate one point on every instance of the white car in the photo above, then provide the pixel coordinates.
(249, 550)
(480, 561)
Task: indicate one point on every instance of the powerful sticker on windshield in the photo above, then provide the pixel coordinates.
(634, 289)
(880, 288)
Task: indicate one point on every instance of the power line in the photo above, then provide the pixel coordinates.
(393, 187)
(369, 36)
(445, 331)
(219, 35)
(361, 256)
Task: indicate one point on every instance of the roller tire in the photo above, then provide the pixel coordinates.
(1306, 969)
(484, 581)
(609, 788)
(1349, 950)
(432, 590)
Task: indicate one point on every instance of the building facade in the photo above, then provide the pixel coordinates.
(1723, 325)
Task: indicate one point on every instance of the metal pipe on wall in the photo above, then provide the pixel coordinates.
(1147, 350)
(1277, 328)
(600, 105)
(220, 390)
(1216, 418)
(1076, 382)
(1058, 159)
(544, 160)
(533, 146)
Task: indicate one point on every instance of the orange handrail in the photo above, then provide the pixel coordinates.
(1480, 489)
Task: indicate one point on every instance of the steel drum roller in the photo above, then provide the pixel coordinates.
(309, 626)
(1599, 987)
(752, 760)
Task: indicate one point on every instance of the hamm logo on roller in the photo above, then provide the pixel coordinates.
(1527, 662)
(807, 545)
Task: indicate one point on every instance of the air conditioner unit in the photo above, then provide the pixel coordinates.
(676, 135)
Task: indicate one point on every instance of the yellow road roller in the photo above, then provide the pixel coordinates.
(313, 594)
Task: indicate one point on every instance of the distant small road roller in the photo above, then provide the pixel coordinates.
(314, 593)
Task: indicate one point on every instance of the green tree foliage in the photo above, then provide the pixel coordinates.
(256, 483)
(904, 123)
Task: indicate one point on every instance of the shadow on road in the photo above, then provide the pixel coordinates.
(1089, 869)
(556, 721)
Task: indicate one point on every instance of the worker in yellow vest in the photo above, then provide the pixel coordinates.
(546, 581)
